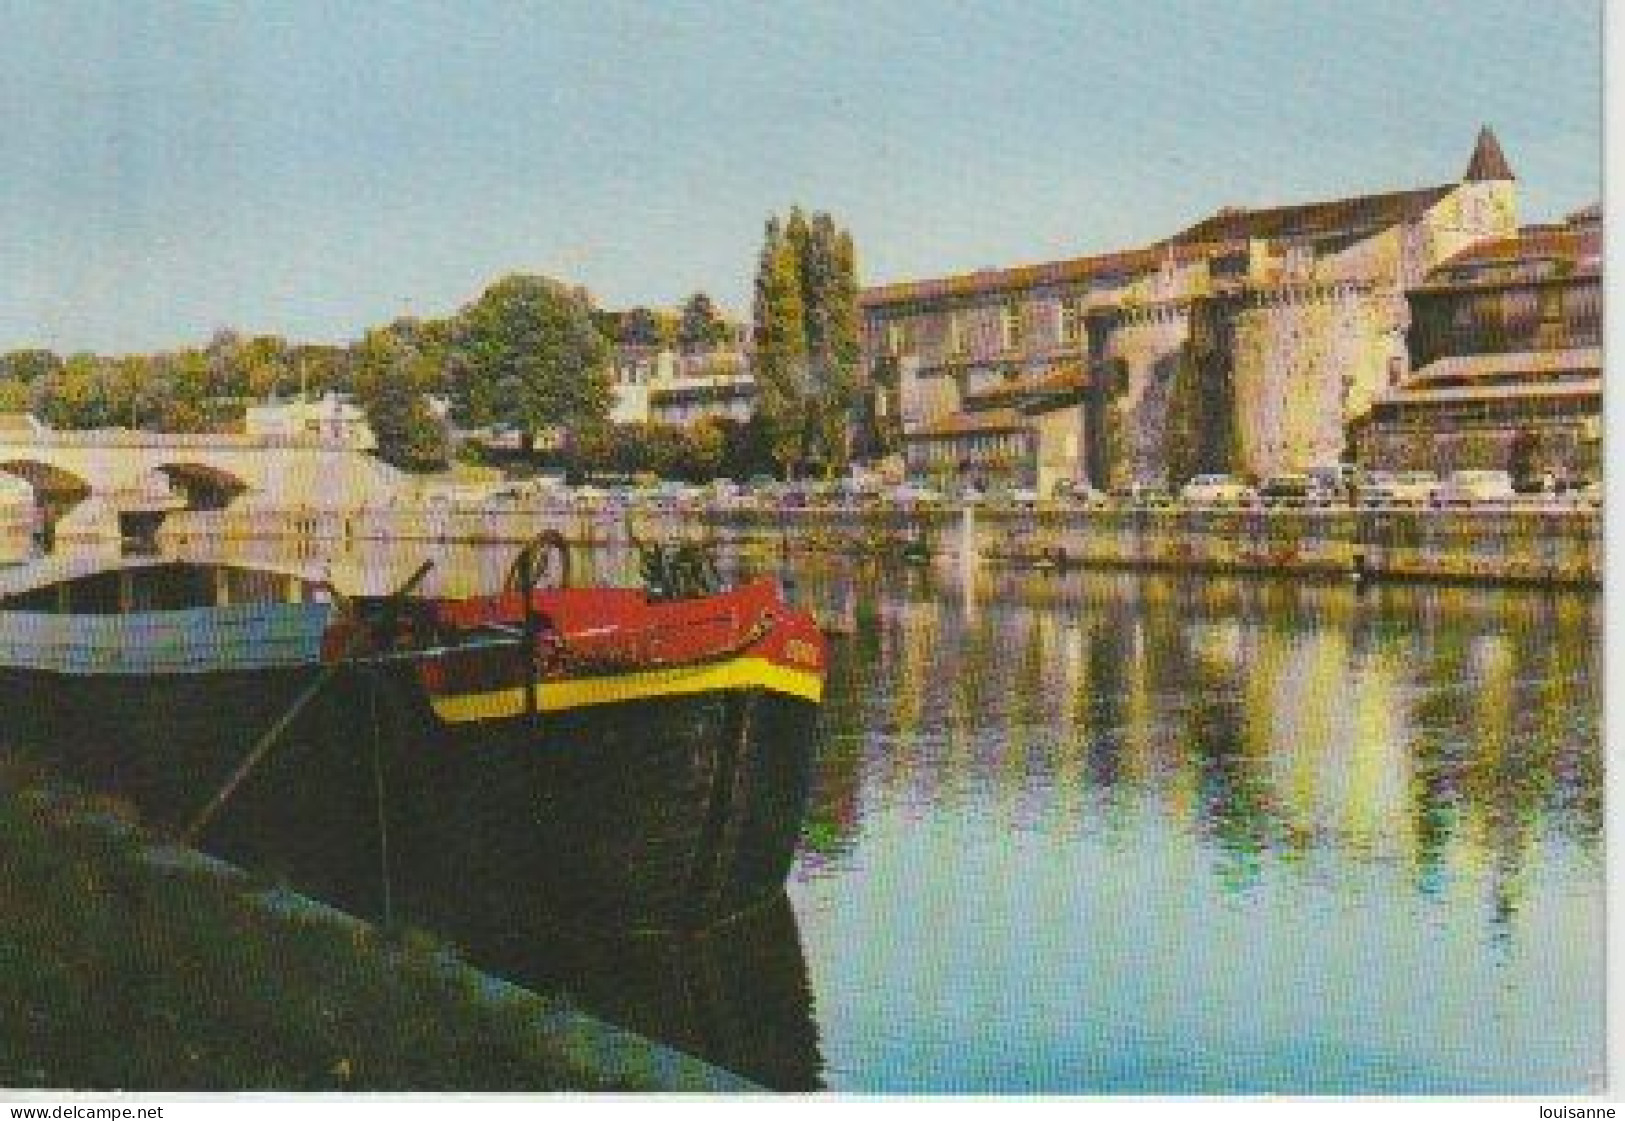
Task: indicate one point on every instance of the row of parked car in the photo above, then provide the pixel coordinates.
(1418, 489)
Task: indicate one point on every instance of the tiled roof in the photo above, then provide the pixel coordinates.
(1588, 387)
(987, 421)
(1066, 378)
(1582, 249)
(1024, 277)
(1315, 219)
(1347, 216)
(1531, 365)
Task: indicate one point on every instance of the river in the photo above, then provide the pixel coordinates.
(1105, 833)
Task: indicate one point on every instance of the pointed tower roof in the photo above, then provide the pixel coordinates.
(1489, 163)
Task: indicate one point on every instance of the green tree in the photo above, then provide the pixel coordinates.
(600, 450)
(77, 395)
(266, 367)
(527, 354)
(807, 379)
(391, 376)
(1201, 409)
(640, 327)
(130, 387)
(228, 364)
(701, 327)
(28, 365)
(837, 348)
(318, 368)
(779, 327)
(15, 396)
(665, 448)
(707, 441)
(746, 447)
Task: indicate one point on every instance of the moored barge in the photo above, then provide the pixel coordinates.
(601, 756)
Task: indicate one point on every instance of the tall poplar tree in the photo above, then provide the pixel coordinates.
(843, 354)
(807, 379)
(780, 352)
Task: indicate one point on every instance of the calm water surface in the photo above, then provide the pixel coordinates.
(1119, 833)
(1127, 833)
(1115, 832)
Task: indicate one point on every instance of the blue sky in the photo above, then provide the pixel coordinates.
(313, 168)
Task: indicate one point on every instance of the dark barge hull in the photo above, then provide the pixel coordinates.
(663, 813)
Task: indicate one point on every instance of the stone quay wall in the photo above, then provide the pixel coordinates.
(493, 524)
(1514, 545)
(1538, 545)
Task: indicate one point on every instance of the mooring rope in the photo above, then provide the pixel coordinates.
(380, 802)
(273, 735)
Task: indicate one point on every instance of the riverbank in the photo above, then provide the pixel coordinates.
(1505, 545)
(135, 966)
(1513, 544)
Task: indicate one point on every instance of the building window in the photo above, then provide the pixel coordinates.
(1072, 321)
(956, 334)
(1010, 327)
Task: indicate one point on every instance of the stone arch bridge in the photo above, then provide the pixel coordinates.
(152, 470)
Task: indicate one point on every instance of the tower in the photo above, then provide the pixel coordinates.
(1489, 198)
(1489, 163)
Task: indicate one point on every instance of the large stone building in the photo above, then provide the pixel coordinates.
(1245, 343)
(1505, 346)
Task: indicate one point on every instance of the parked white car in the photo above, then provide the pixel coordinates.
(1217, 490)
(1470, 488)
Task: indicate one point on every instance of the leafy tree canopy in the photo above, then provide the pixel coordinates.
(701, 326)
(527, 354)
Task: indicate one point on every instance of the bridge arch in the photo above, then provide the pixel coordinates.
(204, 485)
(56, 489)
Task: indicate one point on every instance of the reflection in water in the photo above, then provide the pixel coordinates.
(1292, 715)
(736, 995)
(1116, 832)
(1352, 842)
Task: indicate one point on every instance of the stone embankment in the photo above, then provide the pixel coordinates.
(1506, 544)
(134, 964)
(1518, 544)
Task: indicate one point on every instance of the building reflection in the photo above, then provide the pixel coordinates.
(1441, 727)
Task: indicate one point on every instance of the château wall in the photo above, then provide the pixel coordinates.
(1318, 323)
(1144, 346)
(1306, 359)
